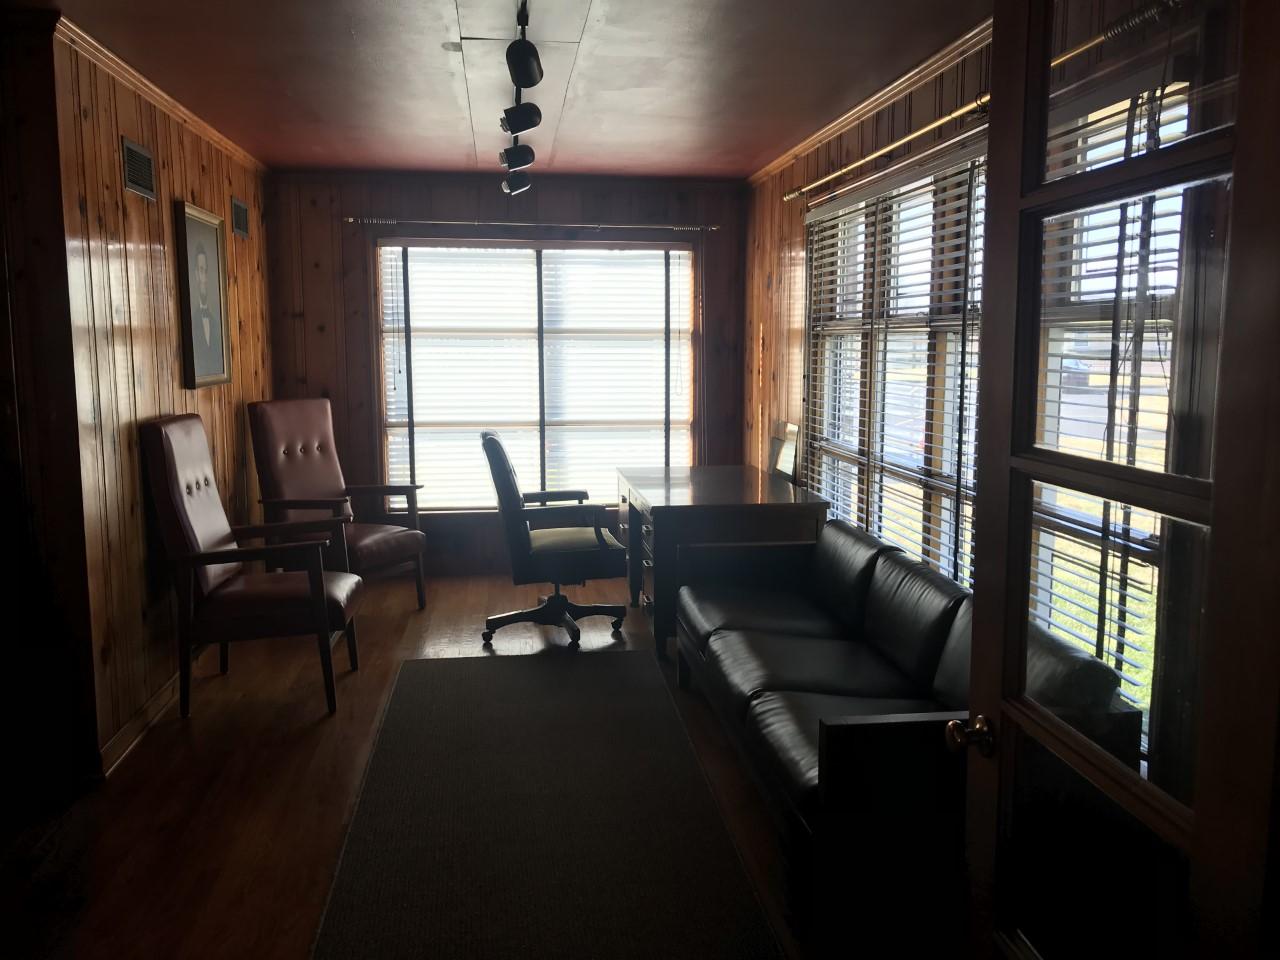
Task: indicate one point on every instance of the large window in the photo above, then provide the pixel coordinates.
(894, 291)
(580, 357)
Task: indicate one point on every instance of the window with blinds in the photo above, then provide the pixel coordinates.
(891, 396)
(580, 357)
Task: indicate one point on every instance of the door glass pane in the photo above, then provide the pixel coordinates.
(1092, 881)
(1113, 628)
(1128, 77)
(1130, 314)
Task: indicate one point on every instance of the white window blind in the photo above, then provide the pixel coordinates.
(595, 375)
(894, 295)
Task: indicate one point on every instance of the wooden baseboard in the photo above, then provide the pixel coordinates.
(128, 736)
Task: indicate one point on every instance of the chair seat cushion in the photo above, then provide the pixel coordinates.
(374, 545)
(704, 608)
(782, 732)
(574, 555)
(279, 604)
(749, 663)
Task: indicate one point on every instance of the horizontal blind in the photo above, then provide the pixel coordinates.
(891, 397)
(477, 359)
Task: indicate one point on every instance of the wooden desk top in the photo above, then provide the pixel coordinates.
(713, 487)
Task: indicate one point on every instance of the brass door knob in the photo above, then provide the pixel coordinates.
(977, 733)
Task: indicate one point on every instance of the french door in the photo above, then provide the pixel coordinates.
(1129, 468)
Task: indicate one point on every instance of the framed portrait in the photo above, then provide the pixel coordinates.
(202, 300)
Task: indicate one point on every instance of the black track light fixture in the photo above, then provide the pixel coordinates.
(516, 157)
(523, 63)
(520, 118)
(516, 183)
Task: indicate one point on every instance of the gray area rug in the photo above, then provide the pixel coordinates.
(538, 806)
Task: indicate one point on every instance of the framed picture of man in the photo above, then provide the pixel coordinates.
(202, 285)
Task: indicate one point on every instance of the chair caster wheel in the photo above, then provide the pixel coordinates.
(487, 637)
(617, 625)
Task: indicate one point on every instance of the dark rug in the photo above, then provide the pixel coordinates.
(538, 806)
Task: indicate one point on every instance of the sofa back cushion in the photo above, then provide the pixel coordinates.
(1060, 675)
(910, 608)
(843, 561)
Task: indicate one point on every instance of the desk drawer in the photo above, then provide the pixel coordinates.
(646, 586)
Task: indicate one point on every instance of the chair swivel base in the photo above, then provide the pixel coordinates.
(557, 610)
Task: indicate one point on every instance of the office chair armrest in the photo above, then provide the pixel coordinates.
(258, 531)
(566, 515)
(546, 496)
(209, 558)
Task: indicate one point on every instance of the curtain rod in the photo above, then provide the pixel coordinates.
(1148, 14)
(392, 221)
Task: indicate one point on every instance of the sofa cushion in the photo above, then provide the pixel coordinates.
(704, 608)
(1060, 674)
(843, 561)
(910, 608)
(782, 731)
(748, 662)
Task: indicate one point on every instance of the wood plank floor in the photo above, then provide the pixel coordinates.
(218, 835)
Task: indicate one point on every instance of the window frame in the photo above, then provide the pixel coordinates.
(602, 239)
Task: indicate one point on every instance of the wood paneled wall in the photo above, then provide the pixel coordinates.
(324, 315)
(121, 341)
(775, 298)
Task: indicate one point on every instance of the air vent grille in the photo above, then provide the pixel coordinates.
(139, 169)
(239, 217)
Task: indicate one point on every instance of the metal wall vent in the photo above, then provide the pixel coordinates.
(139, 169)
(239, 217)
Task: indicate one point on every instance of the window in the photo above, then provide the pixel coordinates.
(580, 357)
(894, 289)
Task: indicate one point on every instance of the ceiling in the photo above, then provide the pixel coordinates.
(662, 87)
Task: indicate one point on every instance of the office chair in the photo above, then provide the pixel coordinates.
(221, 599)
(299, 473)
(552, 544)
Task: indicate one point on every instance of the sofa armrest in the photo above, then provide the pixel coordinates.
(773, 564)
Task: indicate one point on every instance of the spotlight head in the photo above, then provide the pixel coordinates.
(523, 63)
(523, 116)
(516, 157)
(516, 183)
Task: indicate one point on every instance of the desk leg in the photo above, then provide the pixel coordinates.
(635, 554)
(665, 585)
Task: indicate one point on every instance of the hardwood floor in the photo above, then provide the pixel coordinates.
(218, 836)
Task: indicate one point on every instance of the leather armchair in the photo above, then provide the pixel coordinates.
(301, 478)
(566, 543)
(219, 597)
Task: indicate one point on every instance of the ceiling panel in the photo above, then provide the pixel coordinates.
(671, 87)
(559, 20)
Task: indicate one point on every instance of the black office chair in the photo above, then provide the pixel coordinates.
(552, 544)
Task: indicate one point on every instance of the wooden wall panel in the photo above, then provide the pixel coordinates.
(122, 281)
(323, 282)
(775, 290)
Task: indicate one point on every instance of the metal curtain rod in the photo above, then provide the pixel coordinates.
(392, 221)
(1148, 14)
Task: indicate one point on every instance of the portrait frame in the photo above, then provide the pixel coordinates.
(201, 233)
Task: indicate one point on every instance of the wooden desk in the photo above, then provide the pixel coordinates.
(660, 510)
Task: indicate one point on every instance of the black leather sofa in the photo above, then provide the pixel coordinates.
(834, 667)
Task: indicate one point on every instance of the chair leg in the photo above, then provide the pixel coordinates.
(224, 656)
(616, 611)
(353, 655)
(184, 674)
(571, 628)
(326, 665)
(421, 583)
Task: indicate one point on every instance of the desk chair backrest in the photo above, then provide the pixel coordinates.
(295, 453)
(185, 492)
(510, 501)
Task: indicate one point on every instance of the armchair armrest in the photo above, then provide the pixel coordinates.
(244, 554)
(257, 531)
(382, 489)
(773, 564)
(307, 503)
(546, 496)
